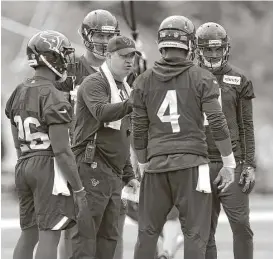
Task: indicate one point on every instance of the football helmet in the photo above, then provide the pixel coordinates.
(213, 46)
(51, 49)
(176, 32)
(98, 22)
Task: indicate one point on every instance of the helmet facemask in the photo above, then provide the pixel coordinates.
(213, 57)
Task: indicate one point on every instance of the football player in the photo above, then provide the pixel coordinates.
(169, 137)
(40, 117)
(97, 28)
(213, 49)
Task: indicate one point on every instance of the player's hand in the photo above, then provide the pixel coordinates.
(224, 178)
(134, 183)
(247, 179)
(81, 201)
(83, 216)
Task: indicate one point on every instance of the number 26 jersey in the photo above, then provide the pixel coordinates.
(33, 106)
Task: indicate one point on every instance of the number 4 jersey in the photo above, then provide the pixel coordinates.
(168, 102)
(32, 108)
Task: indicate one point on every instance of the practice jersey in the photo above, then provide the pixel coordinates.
(235, 88)
(172, 97)
(32, 108)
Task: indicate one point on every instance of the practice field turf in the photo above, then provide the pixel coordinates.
(261, 222)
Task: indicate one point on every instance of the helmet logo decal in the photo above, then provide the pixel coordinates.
(53, 40)
(176, 34)
(215, 43)
(126, 41)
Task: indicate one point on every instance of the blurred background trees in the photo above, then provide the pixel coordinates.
(249, 25)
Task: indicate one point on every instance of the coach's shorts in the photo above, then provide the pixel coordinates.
(34, 179)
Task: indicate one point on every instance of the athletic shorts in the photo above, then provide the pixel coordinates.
(34, 177)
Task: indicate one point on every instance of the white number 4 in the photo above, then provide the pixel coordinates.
(171, 101)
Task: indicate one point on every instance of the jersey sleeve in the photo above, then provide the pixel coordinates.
(247, 91)
(140, 118)
(9, 103)
(56, 108)
(208, 88)
(96, 97)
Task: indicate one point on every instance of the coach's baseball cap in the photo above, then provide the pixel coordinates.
(122, 45)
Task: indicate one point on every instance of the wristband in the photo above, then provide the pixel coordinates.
(79, 190)
(142, 164)
(229, 161)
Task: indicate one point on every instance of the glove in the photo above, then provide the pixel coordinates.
(247, 179)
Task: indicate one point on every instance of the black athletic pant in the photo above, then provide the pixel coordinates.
(236, 206)
(158, 194)
(103, 189)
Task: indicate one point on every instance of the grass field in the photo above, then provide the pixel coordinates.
(261, 222)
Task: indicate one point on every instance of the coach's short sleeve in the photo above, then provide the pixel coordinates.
(56, 108)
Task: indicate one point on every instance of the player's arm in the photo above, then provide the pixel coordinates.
(59, 137)
(245, 122)
(14, 131)
(208, 90)
(140, 122)
(218, 125)
(247, 140)
(57, 114)
(96, 97)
